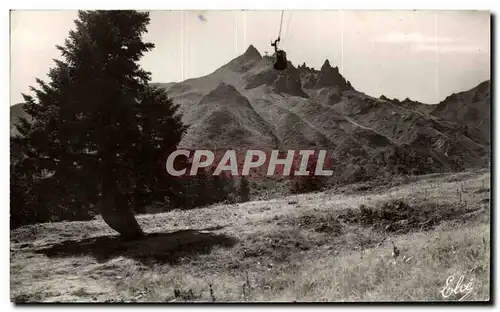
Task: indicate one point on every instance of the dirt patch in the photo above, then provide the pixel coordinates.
(32, 297)
(400, 217)
(482, 190)
(485, 201)
(278, 246)
(320, 223)
(457, 177)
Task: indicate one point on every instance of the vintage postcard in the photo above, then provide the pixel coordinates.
(250, 156)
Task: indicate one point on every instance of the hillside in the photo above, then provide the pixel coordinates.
(331, 246)
(225, 118)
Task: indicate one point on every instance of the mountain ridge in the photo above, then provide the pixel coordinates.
(245, 103)
(308, 108)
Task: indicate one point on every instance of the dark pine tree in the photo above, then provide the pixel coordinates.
(97, 129)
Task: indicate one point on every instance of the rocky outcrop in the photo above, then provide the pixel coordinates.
(289, 82)
(265, 77)
(309, 80)
(330, 76)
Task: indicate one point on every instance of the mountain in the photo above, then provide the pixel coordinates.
(220, 118)
(247, 104)
(16, 112)
(308, 108)
(471, 108)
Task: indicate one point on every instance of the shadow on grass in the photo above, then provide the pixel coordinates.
(153, 248)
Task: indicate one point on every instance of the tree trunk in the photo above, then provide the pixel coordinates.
(116, 212)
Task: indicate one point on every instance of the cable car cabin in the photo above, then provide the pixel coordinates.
(281, 61)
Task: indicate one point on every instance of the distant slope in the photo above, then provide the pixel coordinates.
(16, 112)
(472, 108)
(224, 117)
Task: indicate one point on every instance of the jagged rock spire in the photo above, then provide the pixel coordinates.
(252, 52)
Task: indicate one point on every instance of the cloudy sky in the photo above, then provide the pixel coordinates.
(423, 55)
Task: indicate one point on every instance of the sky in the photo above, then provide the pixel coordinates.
(422, 55)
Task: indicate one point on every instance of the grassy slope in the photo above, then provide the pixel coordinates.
(300, 248)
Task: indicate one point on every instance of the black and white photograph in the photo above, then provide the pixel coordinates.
(250, 156)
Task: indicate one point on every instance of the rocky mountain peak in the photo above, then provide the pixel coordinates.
(252, 53)
(330, 76)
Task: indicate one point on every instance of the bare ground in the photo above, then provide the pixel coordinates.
(310, 247)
